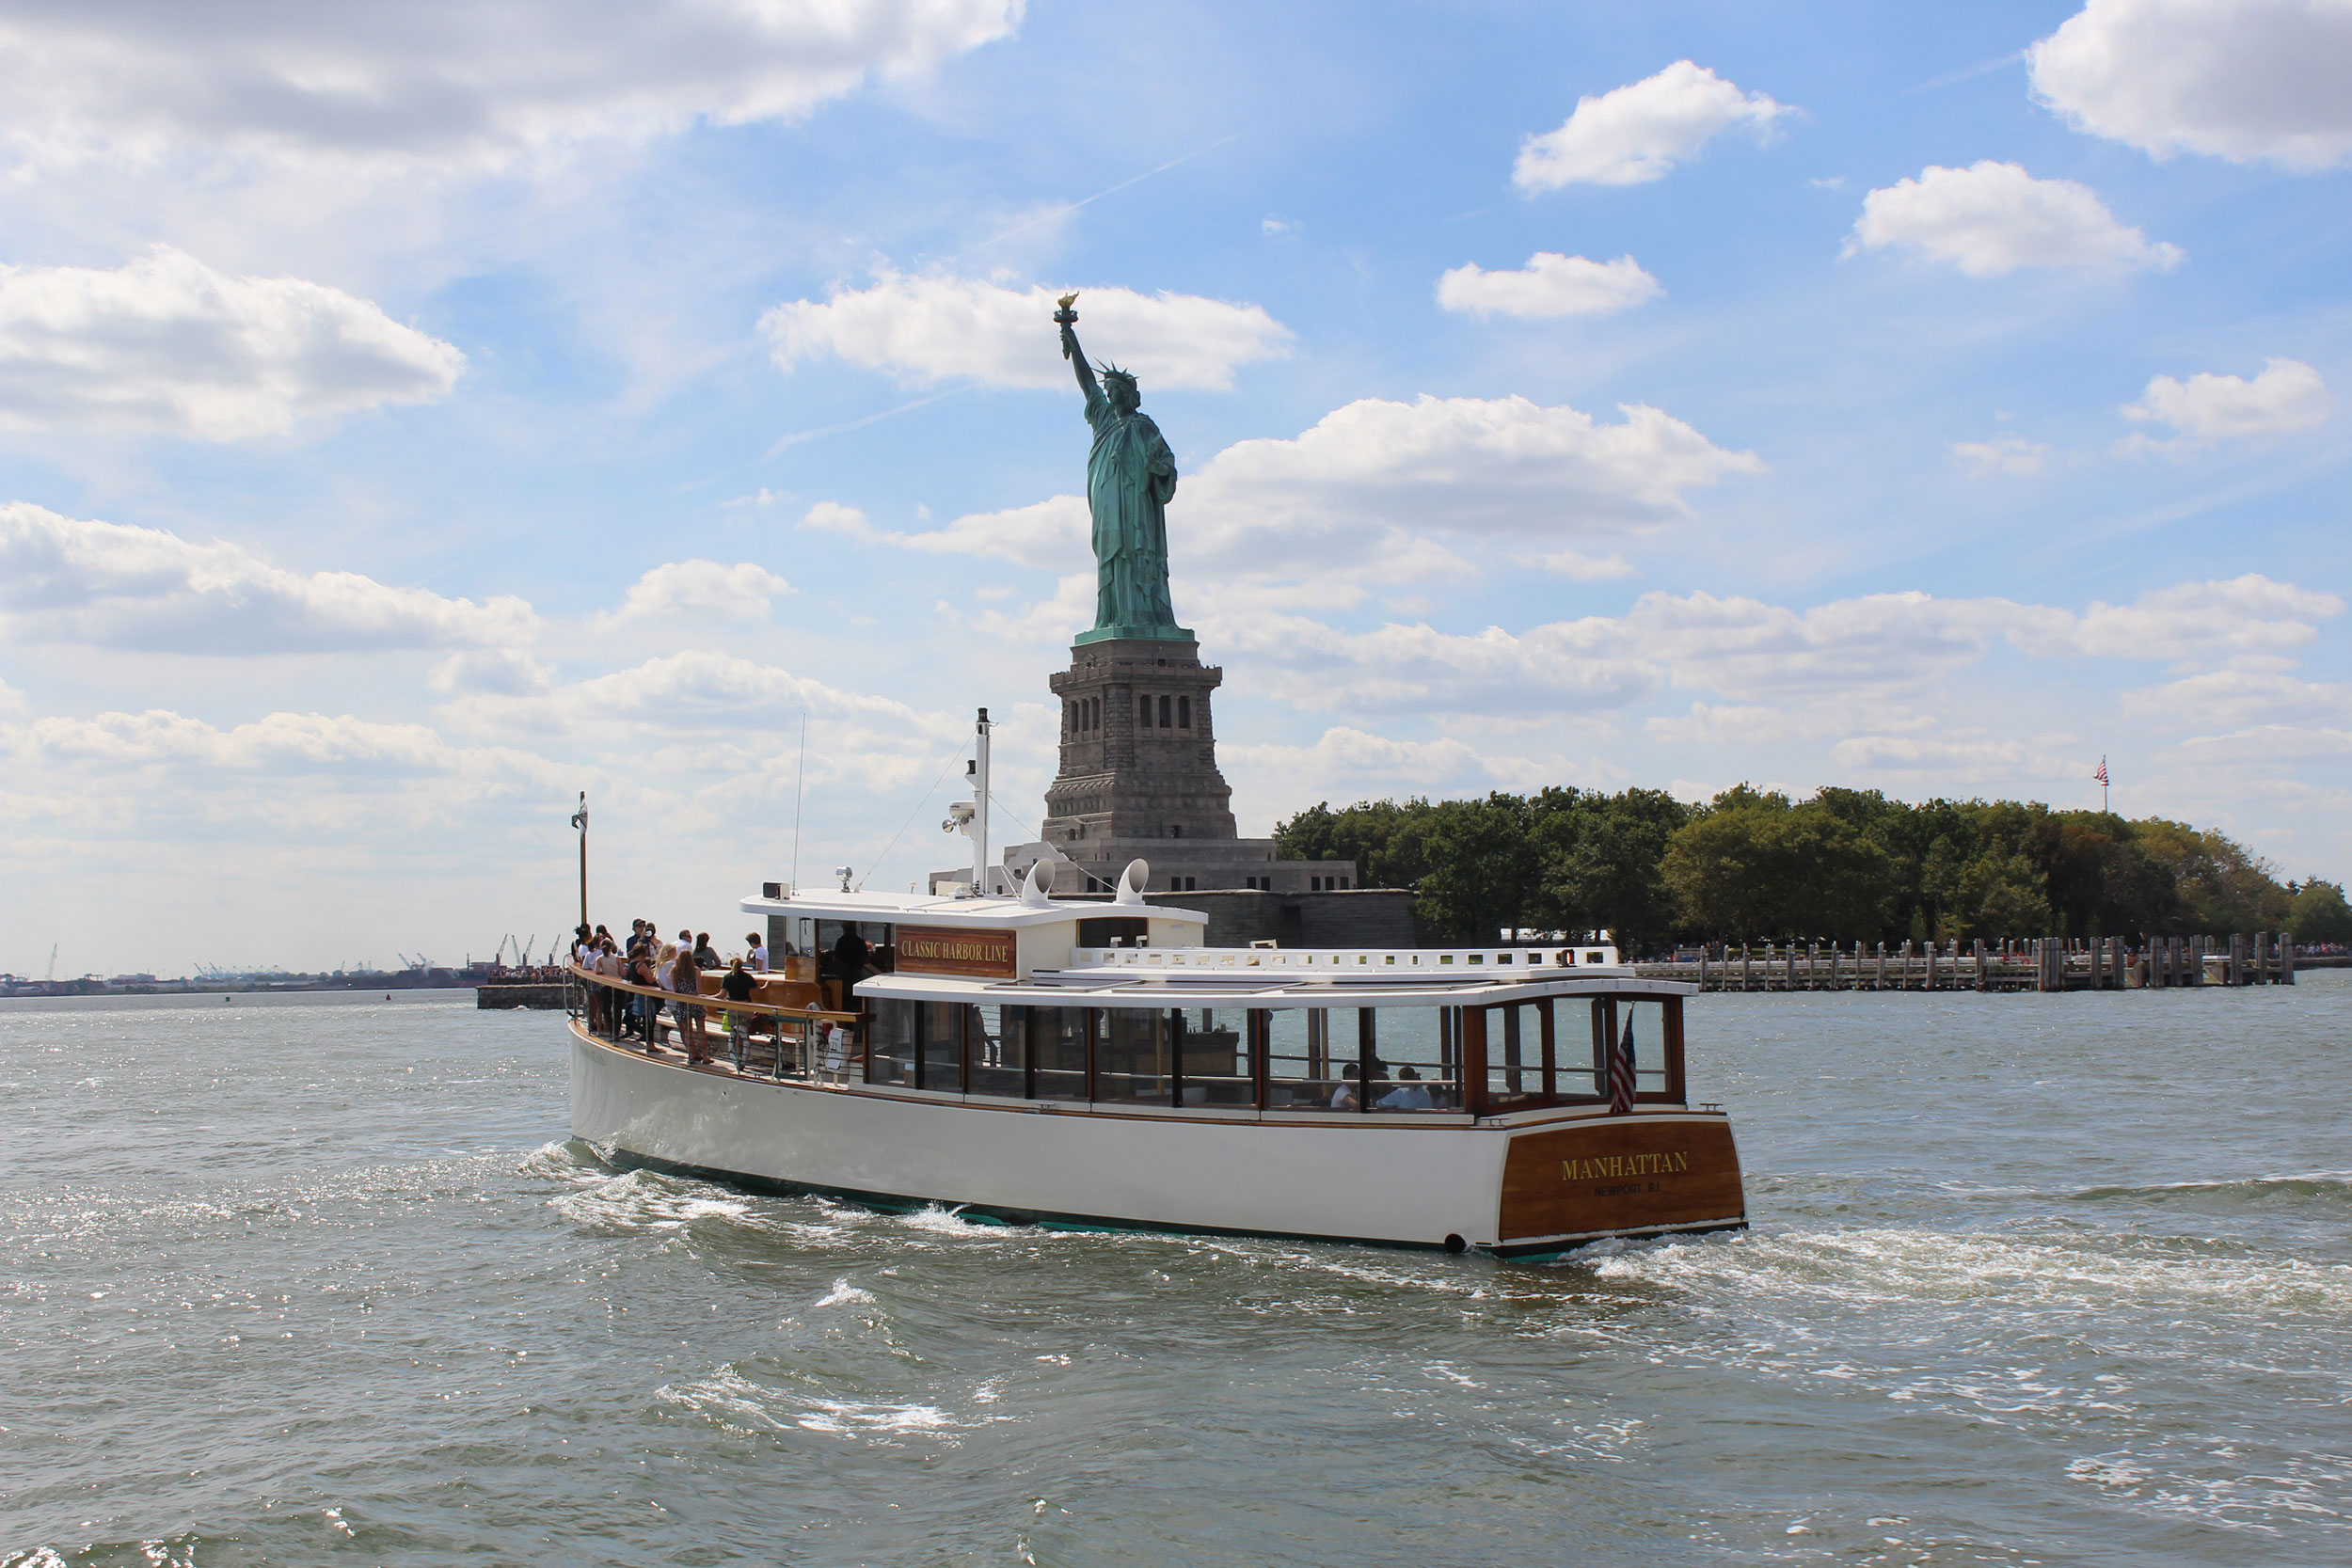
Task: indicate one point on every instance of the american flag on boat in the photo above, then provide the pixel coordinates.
(1621, 1073)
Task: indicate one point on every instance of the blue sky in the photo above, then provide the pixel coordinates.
(407, 421)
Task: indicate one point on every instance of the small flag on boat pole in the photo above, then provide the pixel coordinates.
(1621, 1073)
(2100, 777)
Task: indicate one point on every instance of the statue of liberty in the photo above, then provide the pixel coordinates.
(1130, 475)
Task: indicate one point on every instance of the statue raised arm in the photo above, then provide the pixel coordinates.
(1072, 351)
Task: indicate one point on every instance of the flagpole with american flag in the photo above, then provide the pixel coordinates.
(1621, 1072)
(2102, 777)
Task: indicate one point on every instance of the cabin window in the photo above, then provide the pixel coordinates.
(1519, 1049)
(1056, 1041)
(1184, 713)
(939, 1027)
(1136, 1055)
(1217, 1064)
(1311, 1055)
(1654, 1040)
(890, 1041)
(996, 1050)
(1415, 1060)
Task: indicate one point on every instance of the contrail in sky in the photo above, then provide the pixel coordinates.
(1064, 212)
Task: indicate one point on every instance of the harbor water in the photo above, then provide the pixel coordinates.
(2037, 1280)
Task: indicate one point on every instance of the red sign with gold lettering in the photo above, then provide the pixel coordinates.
(940, 950)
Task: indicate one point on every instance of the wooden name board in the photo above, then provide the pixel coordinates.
(1620, 1173)
(939, 950)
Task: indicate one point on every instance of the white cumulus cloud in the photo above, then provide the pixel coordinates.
(1367, 495)
(2288, 395)
(1049, 535)
(741, 592)
(2238, 79)
(2248, 615)
(65, 579)
(1637, 133)
(477, 81)
(1468, 465)
(1550, 285)
(1577, 566)
(2003, 454)
(166, 343)
(1992, 218)
(931, 329)
(1762, 655)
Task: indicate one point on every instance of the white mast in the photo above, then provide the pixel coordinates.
(980, 809)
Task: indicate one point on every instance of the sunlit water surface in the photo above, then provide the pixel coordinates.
(2033, 1280)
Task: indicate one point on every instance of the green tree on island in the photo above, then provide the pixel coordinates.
(1844, 865)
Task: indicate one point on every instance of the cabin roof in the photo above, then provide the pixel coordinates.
(916, 909)
(1132, 988)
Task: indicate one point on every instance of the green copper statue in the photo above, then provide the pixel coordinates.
(1130, 475)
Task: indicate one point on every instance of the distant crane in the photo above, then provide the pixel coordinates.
(522, 954)
(52, 965)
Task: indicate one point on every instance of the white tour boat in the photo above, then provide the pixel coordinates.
(1090, 1063)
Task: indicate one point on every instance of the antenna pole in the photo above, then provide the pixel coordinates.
(799, 786)
(980, 809)
(580, 820)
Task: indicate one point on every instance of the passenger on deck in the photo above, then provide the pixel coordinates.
(609, 964)
(646, 1009)
(705, 956)
(1409, 1095)
(1345, 1098)
(848, 961)
(755, 952)
(737, 988)
(685, 979)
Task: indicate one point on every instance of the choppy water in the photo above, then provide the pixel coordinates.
(2033, 1280)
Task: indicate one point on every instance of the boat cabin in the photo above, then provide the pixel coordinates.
(1117, 1006)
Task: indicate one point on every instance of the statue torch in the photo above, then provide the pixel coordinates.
(1068, 317)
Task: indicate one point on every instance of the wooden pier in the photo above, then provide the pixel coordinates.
(2043, 964)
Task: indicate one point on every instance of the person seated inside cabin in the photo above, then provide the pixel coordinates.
(1409, 1095)
(1345, 1098)
(736, 987)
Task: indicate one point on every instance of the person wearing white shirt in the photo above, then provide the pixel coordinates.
(756, 953)
(1409, 1095)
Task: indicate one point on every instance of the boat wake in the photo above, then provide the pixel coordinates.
(2324, 1193)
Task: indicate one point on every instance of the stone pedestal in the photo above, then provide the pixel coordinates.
(1138, 776)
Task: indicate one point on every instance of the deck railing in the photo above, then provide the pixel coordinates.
(1343, 959)
(790, 1041)
(2043, 964)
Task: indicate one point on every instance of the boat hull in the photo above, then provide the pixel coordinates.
(1385, 1180)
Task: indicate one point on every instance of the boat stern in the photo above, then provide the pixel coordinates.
(1651, 1174)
